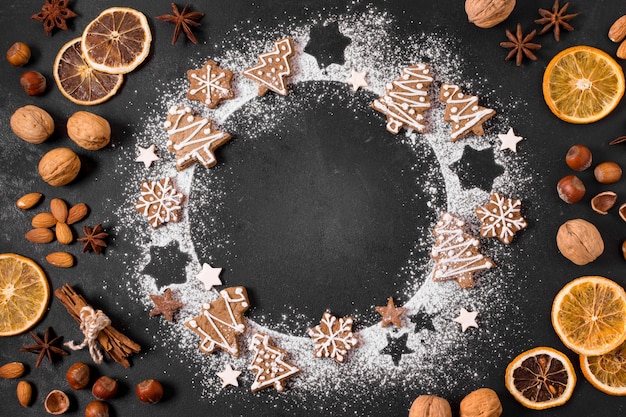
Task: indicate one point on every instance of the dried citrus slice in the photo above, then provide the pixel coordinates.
(541, 378)
(589, 315)
(78, 81)
(24, 294)
(582, 84)
(606, 372)
(117, 41)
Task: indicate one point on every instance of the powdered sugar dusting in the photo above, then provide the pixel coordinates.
(436, 353)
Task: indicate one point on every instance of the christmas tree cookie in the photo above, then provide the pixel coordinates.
(269, 364)
(273, 68)
(463, 112)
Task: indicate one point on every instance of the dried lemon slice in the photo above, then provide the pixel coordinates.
(117, 41)
(24, 294)
(78, 81)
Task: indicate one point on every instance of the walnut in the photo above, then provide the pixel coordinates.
(89, 130)
(579, 241)
(483, 402)
(488, 13)
(430, 406)
(32, 124)
(59, 166)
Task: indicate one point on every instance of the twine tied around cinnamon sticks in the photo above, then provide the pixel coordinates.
(92, 322)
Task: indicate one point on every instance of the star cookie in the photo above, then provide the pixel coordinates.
(391, 314)
(501, 218)
(333, 337)
(269, 364)
(210, 84)
(192, 139)
(160, 202)
(221, 321)
(467, 319)
(165, 305)
(273, 68)
(463, 112)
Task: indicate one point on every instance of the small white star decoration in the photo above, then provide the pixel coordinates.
(229, 376)
(209, 276)
(467, 319)
(357, 79)
(147, 155)
(510, 140)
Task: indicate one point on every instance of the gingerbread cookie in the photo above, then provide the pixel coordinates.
(160, 202)
(210, 84)
(221, 321)
(456, 253)
(405, 99)
(192, 138)
(391, 315)
(501, 218)
(273, 68)
(463, 112)
(333, 337)
(269, 364)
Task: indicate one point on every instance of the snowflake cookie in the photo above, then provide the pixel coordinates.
(501, 218)
(160, 202)
(456, 253)
(192, 138)
(221, 321)
(210, 84)
(406, 99)
(333, 337)
(269, 364)
(463, 112)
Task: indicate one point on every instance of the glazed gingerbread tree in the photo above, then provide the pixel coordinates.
(269, 364)
(463, 112)
(273, 68)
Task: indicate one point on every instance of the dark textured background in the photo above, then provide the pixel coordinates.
(547, 141)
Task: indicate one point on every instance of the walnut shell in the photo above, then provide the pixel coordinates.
(430, 406)
(579, 241)
(59, 166)
(488, 13)
(483, 402)
(32, 124)
(88, 130)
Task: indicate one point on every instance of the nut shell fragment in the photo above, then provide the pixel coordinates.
(603, 202)
(56, 402)
(579, 241)
(622, 211)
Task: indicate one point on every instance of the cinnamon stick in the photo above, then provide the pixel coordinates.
(115, 344)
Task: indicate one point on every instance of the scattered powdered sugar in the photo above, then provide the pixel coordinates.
(437, 352)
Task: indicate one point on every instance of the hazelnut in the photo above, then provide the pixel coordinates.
(624, 249)
(430, 406)
(571, 189)
(578, 158)
(33, 83)
(149, 391)
(607, 172)
(104, 388)
(97, 409)
(579, 241)
(56, 402)
(18, 54)
(59, 166)
(32, 124)
(483, 402)
(603, 202)
(89, 130)
(78, 375)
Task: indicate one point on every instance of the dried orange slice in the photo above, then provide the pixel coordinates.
(117, 41)
(606, 372)
(24, 294)
(78, 81)
(541, 378)
(589, 315)
(582, 84)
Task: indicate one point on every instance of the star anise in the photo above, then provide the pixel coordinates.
(54, 14)
(556, 19)
(183, 21)
(45, 347)
(520, 45)
(165, 305)
(93, 239)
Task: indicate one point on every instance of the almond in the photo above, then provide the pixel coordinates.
(59, 209)
(45, 220)
(77, 213)
(24, 393)
(64, 233)
(617, 32)
(28, 201)
(12, 370)
(60, 259)
(40, 235)
(621, 50)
